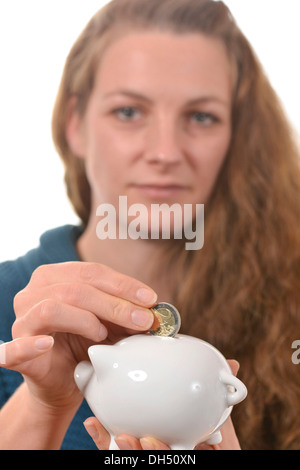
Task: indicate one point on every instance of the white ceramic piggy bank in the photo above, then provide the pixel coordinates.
(178, 389)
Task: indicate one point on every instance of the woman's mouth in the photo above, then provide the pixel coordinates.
(161, 191)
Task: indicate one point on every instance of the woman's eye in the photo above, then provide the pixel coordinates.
(204, 119)
(127, 113)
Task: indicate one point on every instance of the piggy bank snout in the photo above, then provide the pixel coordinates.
(82, 374)
(101, 357)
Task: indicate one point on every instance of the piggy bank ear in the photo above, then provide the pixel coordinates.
(102, 358)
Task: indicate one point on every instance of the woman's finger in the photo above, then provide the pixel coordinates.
(229, 437)
(50, 316)
(96, 275)
(18, 351)
(98, 433)
(128, 442)
(53, 303)
(234, 365)
(150, 443)
(101, 438)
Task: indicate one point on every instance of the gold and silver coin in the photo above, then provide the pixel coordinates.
(169, 319)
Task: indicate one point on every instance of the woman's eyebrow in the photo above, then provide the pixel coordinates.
(128, 93)
(191, 102)
(208, 99)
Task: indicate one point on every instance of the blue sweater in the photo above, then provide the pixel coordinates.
(56, 246)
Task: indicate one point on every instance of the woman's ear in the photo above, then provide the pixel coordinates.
(74, 129)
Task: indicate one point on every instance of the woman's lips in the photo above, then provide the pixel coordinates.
(160, 191)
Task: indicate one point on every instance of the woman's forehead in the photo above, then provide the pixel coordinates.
(154, 59)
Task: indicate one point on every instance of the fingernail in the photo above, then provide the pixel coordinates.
(42, 344)
(146, 296)
(236, 363)
(123, 444)
(147, 444)
(92, 431)
(142, 318)
(2, 353)
(102, 332)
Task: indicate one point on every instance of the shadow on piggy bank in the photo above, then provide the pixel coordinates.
(178, 389)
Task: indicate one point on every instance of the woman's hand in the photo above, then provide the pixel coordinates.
(63, 310)
(127, 442)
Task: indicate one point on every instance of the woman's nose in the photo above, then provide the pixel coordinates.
(162, 146)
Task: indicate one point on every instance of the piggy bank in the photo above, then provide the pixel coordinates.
(178, 389)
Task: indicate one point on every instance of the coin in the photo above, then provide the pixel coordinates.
(169, 319)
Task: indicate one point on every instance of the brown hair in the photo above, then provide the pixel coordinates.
(241, 291)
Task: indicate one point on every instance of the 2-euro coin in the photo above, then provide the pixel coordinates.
(169, 319)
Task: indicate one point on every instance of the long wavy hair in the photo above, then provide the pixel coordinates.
(241, 292)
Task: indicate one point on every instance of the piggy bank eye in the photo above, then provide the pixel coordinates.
(137, 375)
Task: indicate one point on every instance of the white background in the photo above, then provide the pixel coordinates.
(35, 38)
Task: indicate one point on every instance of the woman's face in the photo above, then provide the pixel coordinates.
(158, 122)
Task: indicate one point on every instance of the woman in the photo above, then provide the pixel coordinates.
(162, 102)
